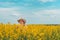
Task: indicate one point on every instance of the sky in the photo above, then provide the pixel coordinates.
(33, 11)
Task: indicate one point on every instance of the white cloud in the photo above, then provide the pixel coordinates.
(17, 14)
(6, 12)
(47, 13)
(44, 1)
(8, 9)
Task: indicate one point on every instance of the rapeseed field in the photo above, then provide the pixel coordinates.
(29, 32)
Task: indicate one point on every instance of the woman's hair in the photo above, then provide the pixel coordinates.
(23, 20)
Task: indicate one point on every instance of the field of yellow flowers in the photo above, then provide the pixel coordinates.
(30, 32)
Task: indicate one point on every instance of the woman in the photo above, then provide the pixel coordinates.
(22, 23)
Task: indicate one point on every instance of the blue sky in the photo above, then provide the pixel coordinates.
(34, 11)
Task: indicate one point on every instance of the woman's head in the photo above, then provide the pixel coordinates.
(22, 21)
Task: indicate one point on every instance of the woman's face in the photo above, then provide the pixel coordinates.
(21, 22)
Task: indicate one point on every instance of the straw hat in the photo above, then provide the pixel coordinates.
(21, 20)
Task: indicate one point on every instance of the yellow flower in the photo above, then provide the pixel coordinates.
(41, 34)
(30, 31)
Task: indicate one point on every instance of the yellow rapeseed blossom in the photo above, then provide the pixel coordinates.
(29, 32)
